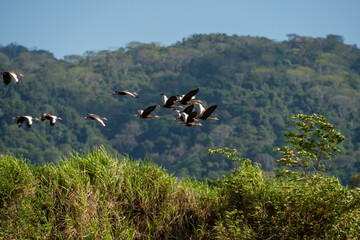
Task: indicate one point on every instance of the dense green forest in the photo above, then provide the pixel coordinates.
(257, 84)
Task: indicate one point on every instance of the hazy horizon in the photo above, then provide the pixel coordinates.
(68, 27)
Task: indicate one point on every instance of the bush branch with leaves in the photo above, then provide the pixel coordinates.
(312, 149)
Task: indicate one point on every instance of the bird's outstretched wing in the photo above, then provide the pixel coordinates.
(7, 78)
(189, 95)
(170, 101)
(209, 111)
(100, 121)
(148, 110)
(189, 109)
(14, 76)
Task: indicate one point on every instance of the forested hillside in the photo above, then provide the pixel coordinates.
(256, 83)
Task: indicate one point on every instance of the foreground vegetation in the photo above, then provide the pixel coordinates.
(99, 196)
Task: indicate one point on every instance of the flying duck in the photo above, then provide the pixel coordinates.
(50, 117)
(187, 110)
(168, 102)
(28, 119)
(96, 118)
(188, 98)
(146, 113)
(7, 76)
(124, 92)
(179, 97)
(204, 114)
(189, 119)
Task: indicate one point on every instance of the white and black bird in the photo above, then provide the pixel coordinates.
(52, 118)
(168, 102)
(125, 92)
(204, 114)
(187, 110)
(7, 76)
(189, 119)
(188, 98)
(146, 113)
(96, 118)
(25, 118)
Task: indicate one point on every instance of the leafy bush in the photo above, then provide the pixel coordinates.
(258, 206)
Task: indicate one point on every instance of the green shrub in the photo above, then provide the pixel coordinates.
(257, 206)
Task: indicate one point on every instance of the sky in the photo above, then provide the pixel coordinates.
(68, 27)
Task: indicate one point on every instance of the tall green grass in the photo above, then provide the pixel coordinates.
(98, 196)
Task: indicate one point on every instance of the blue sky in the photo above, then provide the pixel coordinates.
(68, 27)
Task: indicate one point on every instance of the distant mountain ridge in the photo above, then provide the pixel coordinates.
(14, 50)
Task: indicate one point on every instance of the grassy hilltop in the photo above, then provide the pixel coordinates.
(99, 196)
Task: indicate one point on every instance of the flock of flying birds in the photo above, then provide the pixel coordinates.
(187, 117)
